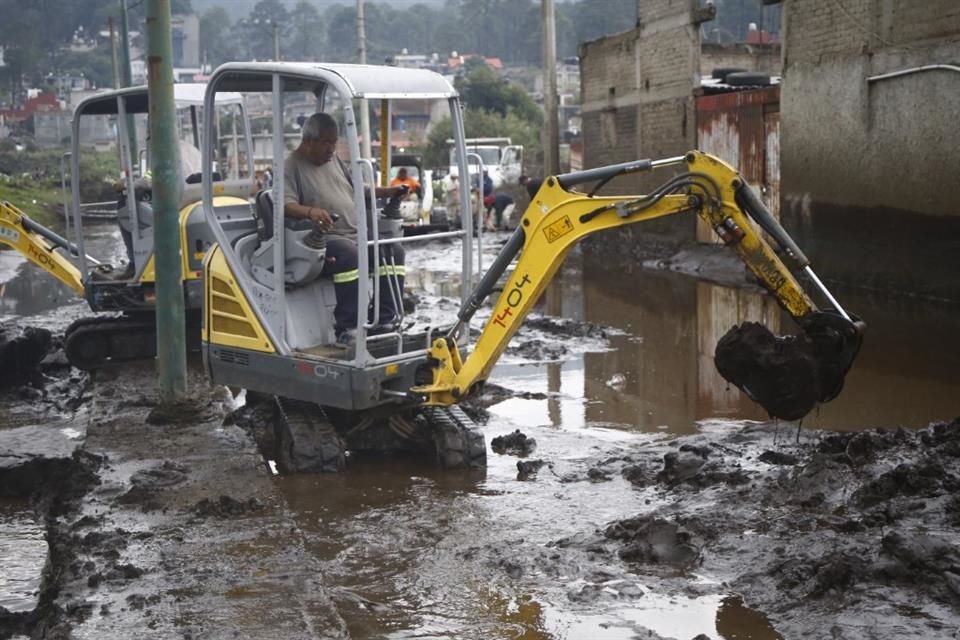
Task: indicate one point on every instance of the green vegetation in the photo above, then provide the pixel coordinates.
(494, 107)
(507, 29)
(30, 179)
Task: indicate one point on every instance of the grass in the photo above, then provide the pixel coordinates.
(41, 198)
(42, 201)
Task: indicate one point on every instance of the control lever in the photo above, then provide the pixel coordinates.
(392, 209)
(317, 238)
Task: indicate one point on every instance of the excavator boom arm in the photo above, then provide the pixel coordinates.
(39, 245)
(558, 217)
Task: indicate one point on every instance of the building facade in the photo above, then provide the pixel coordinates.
(869, 140)
(866, 127)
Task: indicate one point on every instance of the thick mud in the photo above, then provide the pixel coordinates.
(855, 534)
(167, 524)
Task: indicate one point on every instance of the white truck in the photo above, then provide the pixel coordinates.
(502, 160)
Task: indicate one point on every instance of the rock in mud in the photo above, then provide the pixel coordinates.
(21, 351)
(778, 458)
(225, 507)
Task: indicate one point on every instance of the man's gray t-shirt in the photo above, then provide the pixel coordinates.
(324, 186)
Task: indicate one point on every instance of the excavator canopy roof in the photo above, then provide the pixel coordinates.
(356, 80)
(136, 99)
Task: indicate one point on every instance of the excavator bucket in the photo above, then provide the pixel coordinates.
(789, 375)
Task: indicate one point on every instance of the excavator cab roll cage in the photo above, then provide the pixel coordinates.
(99, 340)
(124, 104)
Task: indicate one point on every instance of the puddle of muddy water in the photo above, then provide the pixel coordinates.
(26, 291)
(415, 553)
(23, 551)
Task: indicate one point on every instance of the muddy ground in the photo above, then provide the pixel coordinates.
(171, 525)
(181, 535)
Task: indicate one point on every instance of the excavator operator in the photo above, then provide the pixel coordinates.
(318, 188)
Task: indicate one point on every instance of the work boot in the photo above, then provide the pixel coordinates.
(346, 337)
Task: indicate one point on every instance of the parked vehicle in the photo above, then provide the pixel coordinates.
(500, 158)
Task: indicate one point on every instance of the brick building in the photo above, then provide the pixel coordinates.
(867, 138)
(870, 141)
(637, 102)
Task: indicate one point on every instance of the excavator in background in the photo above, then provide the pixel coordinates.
(268, 311)
(126, 330)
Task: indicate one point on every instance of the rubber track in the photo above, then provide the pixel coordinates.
(90, 343)
(460, 445)
(306, 441)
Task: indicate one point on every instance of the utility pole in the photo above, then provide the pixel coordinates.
(362, 54)
(171, 341)
(113, 54)
(276, 41)
(126, 74)
(551, 130)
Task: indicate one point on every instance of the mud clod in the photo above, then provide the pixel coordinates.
(778, 458)
(21, 351)
(654, 541)
(164, 475)
(781, 374)
(515, 444)
(527, 469)
(226, 507)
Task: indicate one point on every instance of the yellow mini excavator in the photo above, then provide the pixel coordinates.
(125, 329)
(268, 311)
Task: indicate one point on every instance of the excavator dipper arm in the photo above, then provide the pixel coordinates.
(39, 245)
(558, 217)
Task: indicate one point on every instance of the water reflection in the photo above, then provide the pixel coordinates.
(659, 375)
(23, 547)
(28, 291)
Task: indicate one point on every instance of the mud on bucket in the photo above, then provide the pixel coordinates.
(787, 375)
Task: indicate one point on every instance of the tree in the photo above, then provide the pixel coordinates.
(494, 107)
(258, 29)
(341, 33)
(483, 89)
(305, 36)
(580, 21)
(95, 65)
(216, 38)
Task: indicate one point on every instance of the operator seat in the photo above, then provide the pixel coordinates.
(304, 248)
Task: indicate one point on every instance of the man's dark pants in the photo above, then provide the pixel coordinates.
(342, 265)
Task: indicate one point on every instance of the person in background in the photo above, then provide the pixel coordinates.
(405, 179)
(531, 184)
(452, 199)
(317, 188)
(499, 207)
(487, 184)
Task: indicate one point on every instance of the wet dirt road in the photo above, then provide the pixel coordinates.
(411, 552)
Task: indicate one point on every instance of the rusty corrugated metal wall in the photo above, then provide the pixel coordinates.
(743, 128)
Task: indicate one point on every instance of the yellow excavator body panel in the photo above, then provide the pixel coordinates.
(228, 319)
(149, 272)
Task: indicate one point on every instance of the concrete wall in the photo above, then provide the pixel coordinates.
(637, 102)
(765, 58)
(866, 165)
